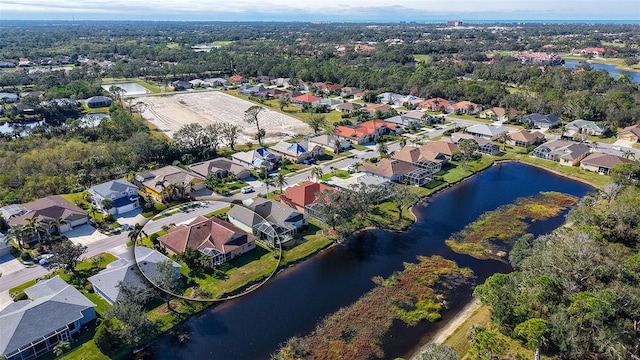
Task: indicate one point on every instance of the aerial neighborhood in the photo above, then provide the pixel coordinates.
(136, 190)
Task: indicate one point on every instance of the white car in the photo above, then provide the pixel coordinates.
(618, 148)
(246, 189)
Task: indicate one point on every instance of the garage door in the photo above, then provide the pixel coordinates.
(126, 208)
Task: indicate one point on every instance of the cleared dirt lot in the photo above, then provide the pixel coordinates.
(170, 113)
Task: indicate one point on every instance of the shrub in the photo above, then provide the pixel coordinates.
(106, 338)
(88, 288)
(25, 256)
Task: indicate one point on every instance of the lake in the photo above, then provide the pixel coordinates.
(130, 88)
(611, 69)
(253, 326)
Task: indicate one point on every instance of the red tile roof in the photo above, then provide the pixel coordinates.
(306, 98)
(303, 194)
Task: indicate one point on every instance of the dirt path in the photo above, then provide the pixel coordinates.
(451, 327)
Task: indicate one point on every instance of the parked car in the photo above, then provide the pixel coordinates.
(246, 189)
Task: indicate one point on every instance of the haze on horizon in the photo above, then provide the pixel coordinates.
(327, 10)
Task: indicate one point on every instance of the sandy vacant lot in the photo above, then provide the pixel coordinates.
(169, 113)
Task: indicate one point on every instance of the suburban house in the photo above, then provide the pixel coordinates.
(157, 182)
(377, 110)
(348, 107)
(238, 79)
(218, 239)
(262, 79)
(408, 120)
(328, 89)
(630, 134)
(498, 114)
(329, 142)
(422, 158)
(524, 138)
(269, 220)
(445, 148)
(486, 131)
(250, 90)
(366, 131)
(297, 152)
(434, 104)
(390, 98)
(123, 195)
(539, 121)
(48, 210)
(125, 271)
(301, 195)
(362, 178)
(463, 107)
(217, 82)
(98, 102)
(349, 91)
(281, 82)
(53, 312)
(398, 171)
(221, 168)
(5, 246)
(584, 127)
(484, 146)
(565, 152)
(603, 163)
(260, 157)
(271, 93)
(304, 99)
(329, 103)
(180, 85)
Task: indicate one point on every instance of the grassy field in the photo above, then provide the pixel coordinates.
(422, 58)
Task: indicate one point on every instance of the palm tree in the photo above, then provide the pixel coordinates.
(163, 186)
(107, 204)
(268, 182)
(136, 233)
(317, 173)
(383, 150)
(504, 138)
(191, 187)
(280, 180)
(55, 225)
(403, 142)
(34, 227)
(92, 211)
(628, 154)
(212, 181)
(338, 145)
(17, 232)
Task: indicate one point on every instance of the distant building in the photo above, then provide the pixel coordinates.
(454, 23)
(98, 102)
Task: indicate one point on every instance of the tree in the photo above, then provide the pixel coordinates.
(504, 138)
(403, 142)
(107, 204)
(283, 102)
(4, 225)
(486, 344)
(85, 178)
(34, 227)
(191, 138)
(230, 133)
(317, 122)
(61, 348)
(66, 255)
(129, 311)
(136, 234)
(533, 331)
(268, 182)
(251, 117)
(401, 197)
(316, 172)
(280, 181)
(468, 148)
(167, 281)
(163, 186)
(17, 232)
(55, 225)
(610, 190)
(628, 154)
(117, 91)
(212, 134)
(383, 150)
(624, 173)
(337, 144)
(437, 352)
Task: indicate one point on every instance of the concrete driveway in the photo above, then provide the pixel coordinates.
(85, 235)
(9, 264)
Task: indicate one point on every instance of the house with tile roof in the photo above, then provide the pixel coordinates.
(53, 312)
(271, 221)
(156, 182)
(301, 195)
(398, 171)
(218, 239)
(349, 91)
(524, 138)
(126, 270)
(48, 209)
(304, 99)
(421, 157)
(348, 107)
(498, 114)
(434, 104)
(603, 163)
(487, 131)
(411, 119)
(366, 131)
(539, 121)
(123, 195)
(238, 79)
(564, 152)
(463, 107)
(257, 158)
(377, 109)
(442, 147)
(630, 134)
(221, 168)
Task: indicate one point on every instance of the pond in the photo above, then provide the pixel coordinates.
(253, 326)
(611, 69)
(10, 128)
(130, 88)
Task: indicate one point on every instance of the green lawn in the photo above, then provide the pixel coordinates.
(342, 174)
(422, 58)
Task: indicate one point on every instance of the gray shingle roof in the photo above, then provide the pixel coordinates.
(116, 187)
(55, 304)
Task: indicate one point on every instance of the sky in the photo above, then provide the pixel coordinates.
(321, 10)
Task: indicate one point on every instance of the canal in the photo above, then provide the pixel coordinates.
(252, 327)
